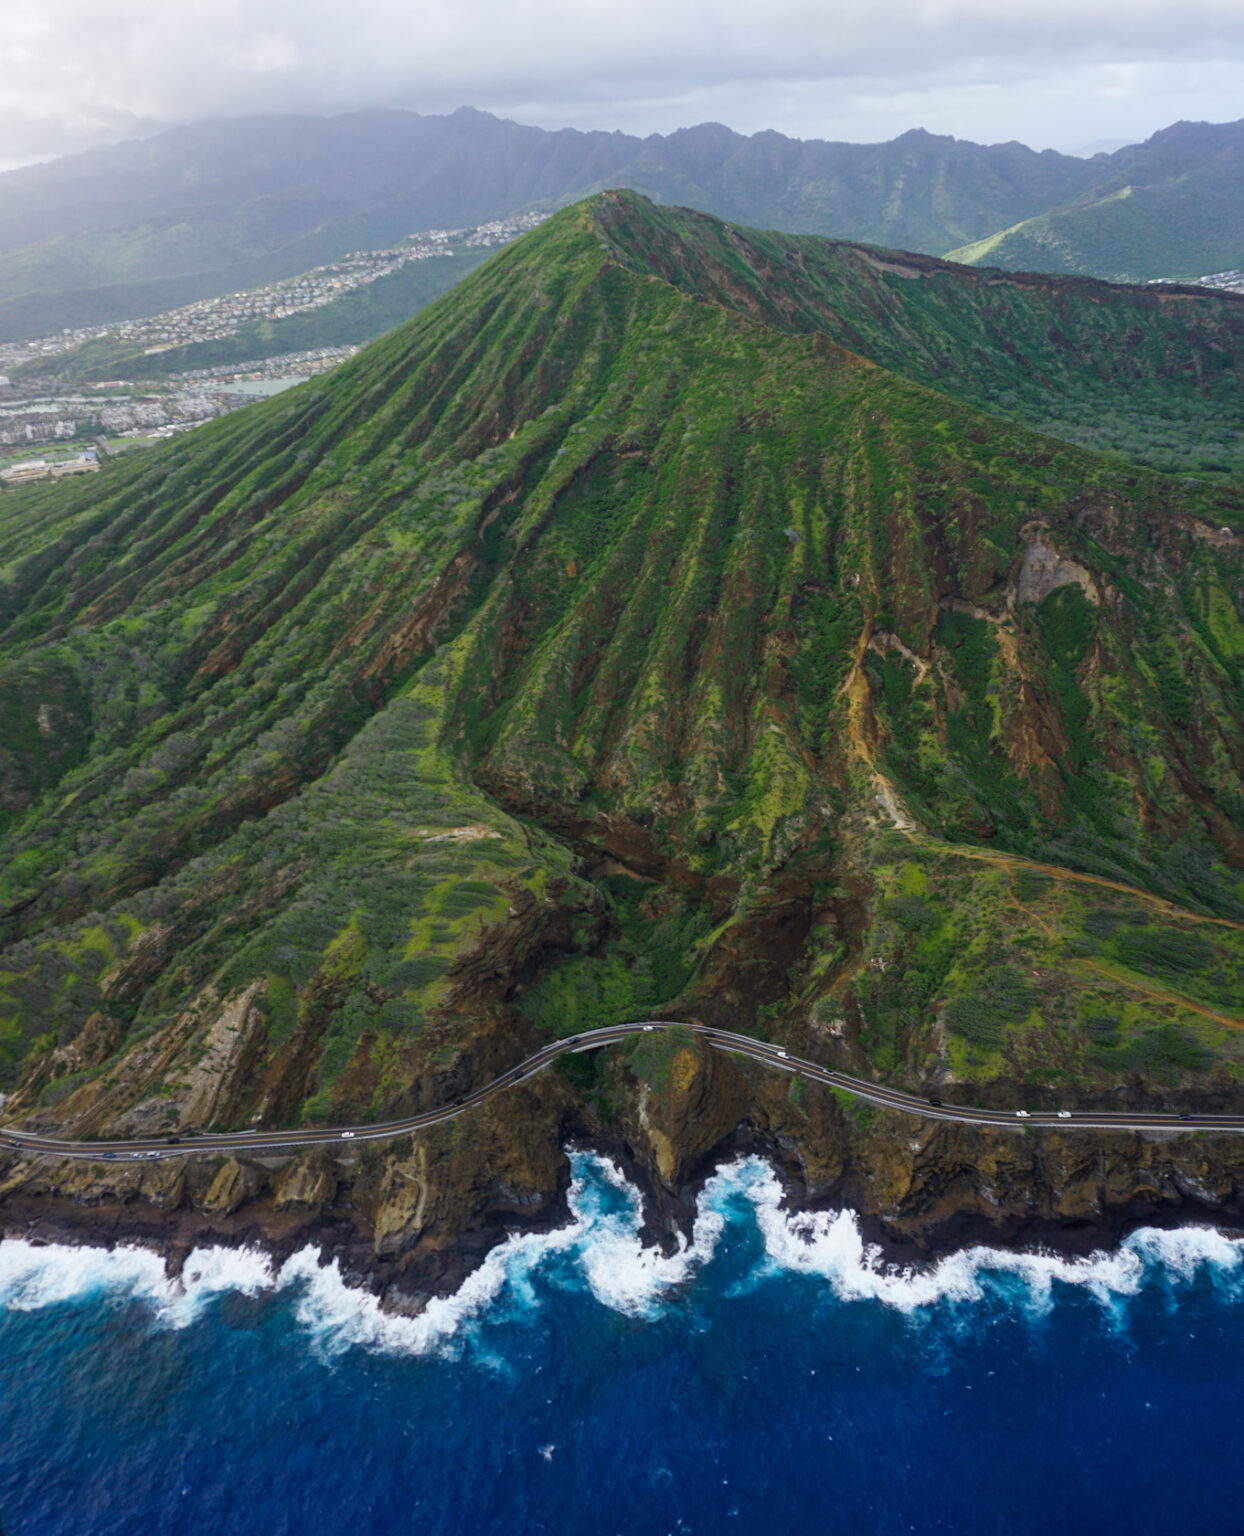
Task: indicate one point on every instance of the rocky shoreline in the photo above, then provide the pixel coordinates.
(923, 1247)
(406, 1281)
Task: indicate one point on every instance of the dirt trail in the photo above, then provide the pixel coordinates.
(1176, 999)
(1027, 911)
(1014, 861)
(857, 692)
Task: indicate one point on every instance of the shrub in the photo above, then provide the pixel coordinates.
(1163, 951)
(1102, 1028)
(912, 914)
(1102, 922)
(982, 1013)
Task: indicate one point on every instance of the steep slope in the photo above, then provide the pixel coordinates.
(1154, 376)
(1168, 208)
(213, 207)
(590, 646)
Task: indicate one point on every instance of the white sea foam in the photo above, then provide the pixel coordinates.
(621, 1272)
(41, 1275)
(210, 1272)
(600, 1249)
(339, 1315)
(830, 1245)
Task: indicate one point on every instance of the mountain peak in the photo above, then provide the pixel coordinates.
(656, 626)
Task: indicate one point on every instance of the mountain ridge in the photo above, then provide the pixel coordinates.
(1142, 363)
(1155, 381)
(224, 205)
(1167, 209)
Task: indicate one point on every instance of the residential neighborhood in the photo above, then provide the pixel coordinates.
(1232, 281)
(213, 319)
(58, 418)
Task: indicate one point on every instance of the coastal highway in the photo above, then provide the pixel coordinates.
(775, 1056)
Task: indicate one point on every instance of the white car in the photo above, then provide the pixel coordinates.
(347, 1135)
(1022, 1114)
(782, 1053)
(648, 1028)
(1064, 1114)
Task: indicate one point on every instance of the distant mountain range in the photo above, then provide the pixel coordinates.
(204, 209)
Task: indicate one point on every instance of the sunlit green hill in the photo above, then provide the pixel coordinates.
(1169, 208)
(614, 638)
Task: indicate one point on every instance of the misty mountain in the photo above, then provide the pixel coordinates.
(1171, 207)
(211, 207)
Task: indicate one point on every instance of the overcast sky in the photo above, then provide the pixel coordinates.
(1053, 73)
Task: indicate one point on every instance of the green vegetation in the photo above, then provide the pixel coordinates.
(652, 1057)
(642, 967)
(286, 193)
(983, 1013)
(1004, 973)
(1154, 377)
(544, 667)
(1166, 209)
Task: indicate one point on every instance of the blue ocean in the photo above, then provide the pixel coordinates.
(775, 1376)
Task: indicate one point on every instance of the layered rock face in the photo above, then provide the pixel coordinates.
(611, 643)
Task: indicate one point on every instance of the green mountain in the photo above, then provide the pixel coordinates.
(212, 207)
(1154, 377)
(612, 641)
(1169, 208)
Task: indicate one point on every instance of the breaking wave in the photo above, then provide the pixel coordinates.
(600, 1251)
(830, 1246)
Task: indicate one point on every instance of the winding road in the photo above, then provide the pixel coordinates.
(774, 1056)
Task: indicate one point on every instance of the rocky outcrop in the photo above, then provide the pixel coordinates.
(180, 1077)
(1044, 570)
(235, 1183)
(402, 1202)
(701, 1100)
(924, 1182)
(218, 1055)
(412, 1220)
(308, 1184)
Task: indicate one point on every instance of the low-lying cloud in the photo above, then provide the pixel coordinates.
(1048, 71)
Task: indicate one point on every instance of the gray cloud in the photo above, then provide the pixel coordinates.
(1048, 71)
